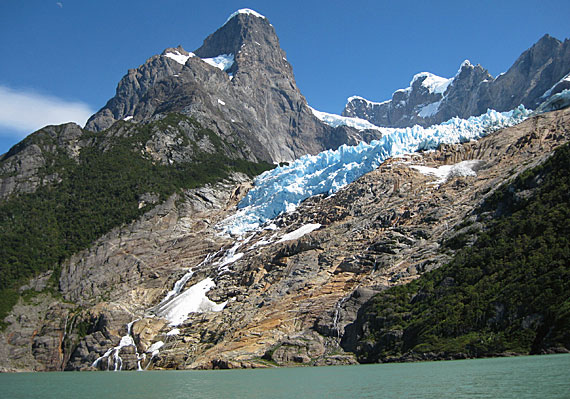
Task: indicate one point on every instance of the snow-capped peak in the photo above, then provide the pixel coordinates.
(434, 83)
(245, 11)
(464, 64)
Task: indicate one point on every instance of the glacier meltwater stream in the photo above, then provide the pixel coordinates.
(283, 189)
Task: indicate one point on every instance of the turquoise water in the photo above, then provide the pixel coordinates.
(520, 377)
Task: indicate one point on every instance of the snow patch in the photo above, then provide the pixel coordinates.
(174, 331)
(230, 256)
(246, 11)
(284, 187)
(368, 102)
(407, 90)
(445, 172)
(179, 57)
(193, 300)
(221, 102)
(155, 347)
(337, 120)
(260, 243)
(429, 110)
(300, 232)
(128, 118)
(223, 61)
(465, 64)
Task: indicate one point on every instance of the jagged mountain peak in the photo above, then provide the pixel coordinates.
(547, 39)
(254, 98)
(245, 11)
(468, 69)
(244, 27)
(539, 72)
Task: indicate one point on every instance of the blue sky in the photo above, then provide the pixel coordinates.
(62, 60)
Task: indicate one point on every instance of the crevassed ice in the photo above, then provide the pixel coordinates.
(284, 187)
(548, 92)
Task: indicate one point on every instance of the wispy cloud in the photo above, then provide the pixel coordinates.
(59, 4)
(26, 111)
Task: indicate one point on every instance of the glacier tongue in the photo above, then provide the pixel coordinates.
(284, 187)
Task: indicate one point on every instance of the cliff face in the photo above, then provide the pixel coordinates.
(538, 73)
(238, 83)
(288, 297)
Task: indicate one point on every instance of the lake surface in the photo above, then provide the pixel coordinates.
(519, 377)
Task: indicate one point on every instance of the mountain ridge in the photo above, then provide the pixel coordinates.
(473, 90)
(162, 284)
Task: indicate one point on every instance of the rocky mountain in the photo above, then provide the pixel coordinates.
(168, 291)
(144, 242)
(238, 82)
(541, 71)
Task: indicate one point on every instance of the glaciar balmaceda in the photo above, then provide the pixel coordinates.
(283, 188)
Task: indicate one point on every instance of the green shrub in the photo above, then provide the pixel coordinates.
(509, 292)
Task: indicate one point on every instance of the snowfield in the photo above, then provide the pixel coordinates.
(193, 300)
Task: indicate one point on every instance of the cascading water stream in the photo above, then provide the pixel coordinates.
(336, 317)
(113, 354)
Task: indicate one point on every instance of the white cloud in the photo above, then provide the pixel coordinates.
(27, 111)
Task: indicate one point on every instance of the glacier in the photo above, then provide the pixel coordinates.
(282, 189)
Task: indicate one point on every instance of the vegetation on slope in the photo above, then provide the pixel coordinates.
(99, 192)
(509, 292)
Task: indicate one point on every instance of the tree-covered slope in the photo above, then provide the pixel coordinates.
(509, 292)
(117, 176)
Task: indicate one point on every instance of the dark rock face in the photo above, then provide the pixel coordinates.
(19, 167)
(255, 98)
(537, 74)
(131, 89)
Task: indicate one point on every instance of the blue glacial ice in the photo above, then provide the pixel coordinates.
(283, 188)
